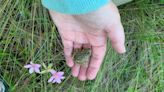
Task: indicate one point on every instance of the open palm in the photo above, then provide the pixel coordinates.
(76, 34)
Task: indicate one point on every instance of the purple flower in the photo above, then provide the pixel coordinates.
(33, 67)
(56, 77)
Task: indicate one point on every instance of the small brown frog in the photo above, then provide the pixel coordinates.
(82, 56)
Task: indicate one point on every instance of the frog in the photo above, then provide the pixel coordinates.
(82, 56)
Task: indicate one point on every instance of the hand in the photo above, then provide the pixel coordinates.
(90, 31)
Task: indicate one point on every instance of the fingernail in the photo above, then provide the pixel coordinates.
(123, 50)
(82, 78)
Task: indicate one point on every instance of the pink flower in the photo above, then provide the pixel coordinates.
(56, 77)
(33, 67)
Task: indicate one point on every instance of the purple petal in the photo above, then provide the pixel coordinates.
(54, 81)
(51, 79)
(60, 73)
(36, 69)
(31, 70)
(37, 65)
(58, 80)
(27, 66)
(53, 72)
(62, 77)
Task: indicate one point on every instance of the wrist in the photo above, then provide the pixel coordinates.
(98, 19)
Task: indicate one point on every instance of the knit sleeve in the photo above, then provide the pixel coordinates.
(74, 6)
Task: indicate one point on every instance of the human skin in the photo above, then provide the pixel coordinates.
(90, 30)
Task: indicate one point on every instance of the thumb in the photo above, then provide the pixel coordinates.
(117, 37)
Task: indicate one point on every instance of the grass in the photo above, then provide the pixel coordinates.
(27, 33)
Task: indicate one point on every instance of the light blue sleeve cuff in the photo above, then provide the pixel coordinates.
(74, 6)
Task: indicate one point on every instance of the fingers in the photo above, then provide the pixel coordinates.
(75, 70)
(82, 73)
(98, 54)
(80, 70)
(76, 67)
(68, 47)
(117, 37)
